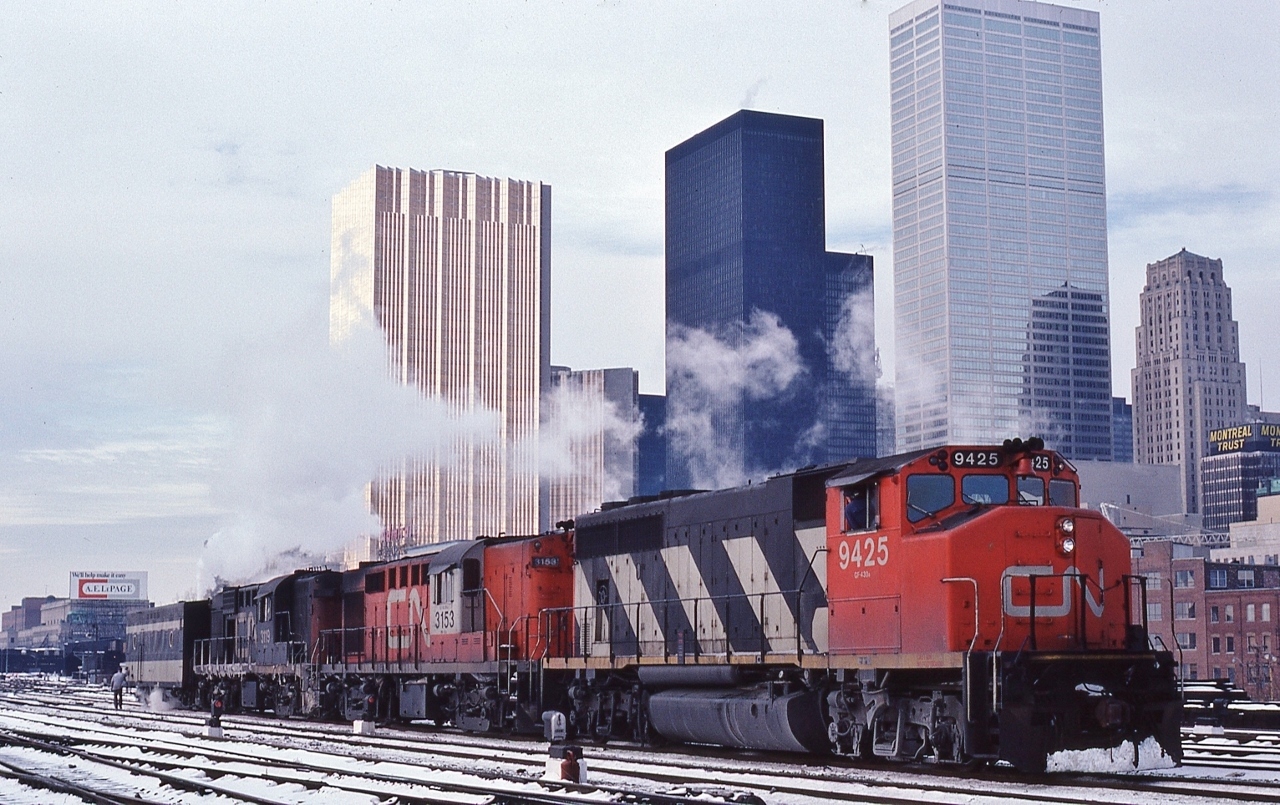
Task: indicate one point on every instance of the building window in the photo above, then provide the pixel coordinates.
(1153, 580)
(1248, 613)
(1231, 644)
(1195, 669)
(1216, 643)
(1155, 612)
(1213, 614)
(1186, 640)
(1231, 675)
(1184, 578)
(1229, 613)
(1184, 611)
(1245, 577)
(1218, 578)
(1251, 641)
(1217, 672)
(1266, 613)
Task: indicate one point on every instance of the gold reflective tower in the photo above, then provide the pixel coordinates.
(454, 270)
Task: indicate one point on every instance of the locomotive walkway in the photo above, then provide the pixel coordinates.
(63, 743)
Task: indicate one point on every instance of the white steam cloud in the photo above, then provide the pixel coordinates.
(310, 428)
(709, 374)
(853, 344)
(587, 447)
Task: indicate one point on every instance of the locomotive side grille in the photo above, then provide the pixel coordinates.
(643, 534)
(626, 536)
(596, 540)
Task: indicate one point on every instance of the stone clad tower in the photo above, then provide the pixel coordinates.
(1189, 379)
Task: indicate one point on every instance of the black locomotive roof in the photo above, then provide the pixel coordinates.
(773, 494)
(861, 469)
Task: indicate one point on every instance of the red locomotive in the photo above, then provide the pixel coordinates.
(952, 604)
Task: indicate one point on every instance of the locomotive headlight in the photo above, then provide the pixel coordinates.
(1066, 538)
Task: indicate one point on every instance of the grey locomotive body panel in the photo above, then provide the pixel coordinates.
(730, 572)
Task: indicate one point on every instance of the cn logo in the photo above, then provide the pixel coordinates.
(1050, 610)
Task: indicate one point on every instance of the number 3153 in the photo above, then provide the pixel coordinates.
(867, 552)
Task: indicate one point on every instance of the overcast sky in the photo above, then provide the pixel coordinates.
(166, 172)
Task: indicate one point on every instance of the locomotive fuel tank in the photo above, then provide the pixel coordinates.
(762, 718)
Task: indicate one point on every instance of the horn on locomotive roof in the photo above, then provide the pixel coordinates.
(1016, 445)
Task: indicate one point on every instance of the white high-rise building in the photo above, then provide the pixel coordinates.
(1189, 379)
(454, 269)
(1000, 234)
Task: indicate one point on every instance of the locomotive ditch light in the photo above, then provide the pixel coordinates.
(1067, 540)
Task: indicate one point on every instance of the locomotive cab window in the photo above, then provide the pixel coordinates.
(992, 489)
(929, 494)
(1062, 493)
(861, 507)
(1030, 490)
(470, 575)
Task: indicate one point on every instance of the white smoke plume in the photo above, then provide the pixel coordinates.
(709, 374)
(587, 447)
(853, 344)
(310, 426)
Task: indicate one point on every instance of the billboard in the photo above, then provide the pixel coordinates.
(1248, 438)
(98, 585)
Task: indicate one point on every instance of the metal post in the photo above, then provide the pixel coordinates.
(762, 635)
(1032, 577)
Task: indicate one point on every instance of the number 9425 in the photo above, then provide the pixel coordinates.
(867, 552)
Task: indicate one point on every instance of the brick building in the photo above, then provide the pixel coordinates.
(1219, 618)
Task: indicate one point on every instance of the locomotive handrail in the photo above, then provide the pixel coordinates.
(977, 624)
(502, 620)
(799, 597)
(582, 612)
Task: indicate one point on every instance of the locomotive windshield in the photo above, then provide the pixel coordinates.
(1030, 490)
(992, 489)
(1062, 493)
(929, 494)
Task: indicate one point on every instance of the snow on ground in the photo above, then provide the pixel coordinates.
(13, 792)
(1112, 761)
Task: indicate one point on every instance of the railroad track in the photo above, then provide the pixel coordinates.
(83, 716)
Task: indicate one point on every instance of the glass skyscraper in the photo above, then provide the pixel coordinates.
(1000, 235)
(746, 232)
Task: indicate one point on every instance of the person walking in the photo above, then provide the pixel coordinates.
(117, 687)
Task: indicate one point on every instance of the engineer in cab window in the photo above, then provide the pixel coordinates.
(861, 512)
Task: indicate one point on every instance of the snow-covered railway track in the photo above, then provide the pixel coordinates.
(675, 775)
(298, 775)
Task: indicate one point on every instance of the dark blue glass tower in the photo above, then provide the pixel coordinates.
(746, 232)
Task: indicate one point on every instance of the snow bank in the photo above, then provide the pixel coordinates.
(1110, 761)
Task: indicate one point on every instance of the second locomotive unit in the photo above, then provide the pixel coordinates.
(952, 605)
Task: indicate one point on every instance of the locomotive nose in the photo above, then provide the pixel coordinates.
(1112, 713)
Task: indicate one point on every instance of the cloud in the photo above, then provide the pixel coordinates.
(1129, 209)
